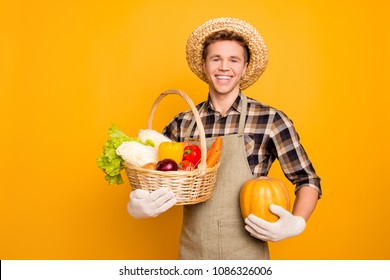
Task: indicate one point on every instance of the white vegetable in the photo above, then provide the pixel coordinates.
(157, 138)
(136, 153)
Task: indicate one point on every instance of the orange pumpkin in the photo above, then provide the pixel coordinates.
(259, 193)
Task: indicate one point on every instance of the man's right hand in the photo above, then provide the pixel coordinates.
(144, 204)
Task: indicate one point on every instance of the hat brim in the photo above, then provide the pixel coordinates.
(257, 48)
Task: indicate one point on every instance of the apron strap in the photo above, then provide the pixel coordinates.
(244, 108)
(241, 124)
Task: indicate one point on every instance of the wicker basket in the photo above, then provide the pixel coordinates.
(190, 187)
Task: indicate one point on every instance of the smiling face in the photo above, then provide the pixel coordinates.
(224, 65)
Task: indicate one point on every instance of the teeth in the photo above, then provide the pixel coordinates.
(223, 77)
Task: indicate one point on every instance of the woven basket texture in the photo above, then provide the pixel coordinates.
(190, 187)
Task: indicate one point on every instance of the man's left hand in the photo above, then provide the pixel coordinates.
(287, 226)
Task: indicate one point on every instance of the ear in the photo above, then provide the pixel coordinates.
(244, 70)
(204, 69)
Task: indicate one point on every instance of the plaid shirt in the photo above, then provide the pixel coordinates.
(268, 133)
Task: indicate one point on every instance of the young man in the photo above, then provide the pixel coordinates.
(230, 56)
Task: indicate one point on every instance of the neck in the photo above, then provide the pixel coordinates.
(222, 103)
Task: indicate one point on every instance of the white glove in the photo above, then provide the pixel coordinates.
(287, 226)
(143, 204)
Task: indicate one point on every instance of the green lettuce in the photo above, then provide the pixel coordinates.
(109, 161)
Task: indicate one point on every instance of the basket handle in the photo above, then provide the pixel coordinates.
(202, 165)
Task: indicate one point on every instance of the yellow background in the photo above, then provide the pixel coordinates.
(71, 68)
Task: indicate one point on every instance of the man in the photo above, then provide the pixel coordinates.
(230, 56)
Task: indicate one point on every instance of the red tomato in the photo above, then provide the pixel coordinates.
(186, 165)
(192, 153)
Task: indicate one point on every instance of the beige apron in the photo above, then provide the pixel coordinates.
(215, 229)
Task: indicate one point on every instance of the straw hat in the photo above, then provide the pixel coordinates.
(258, 50)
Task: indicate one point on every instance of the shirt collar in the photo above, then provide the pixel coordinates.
(236, 106)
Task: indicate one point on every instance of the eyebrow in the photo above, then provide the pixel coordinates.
(218, 56)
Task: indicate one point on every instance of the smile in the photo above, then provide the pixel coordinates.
(220, 77)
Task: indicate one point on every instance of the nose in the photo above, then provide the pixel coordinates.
(223, 65)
